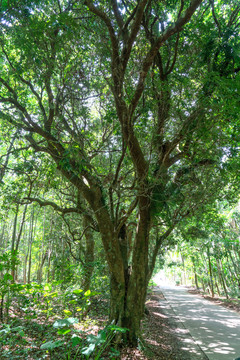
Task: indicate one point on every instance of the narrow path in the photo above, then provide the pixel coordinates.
(207, 326)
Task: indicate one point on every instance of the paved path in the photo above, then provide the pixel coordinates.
(214, 330)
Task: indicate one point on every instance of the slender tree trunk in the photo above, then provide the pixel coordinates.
(1, 307)
(196, 280)
(184, 270)
(217, 287)
(2, 246)
(40, 269)
(15, 250)
(25, 269)
(49, 264)
(195, 272)
(62, 258)
(210, 273)
(238, 254)
(4, 166)
(53, 272)
(235, 268)
(234, 262)
(231, 280)
(89, 254)
(43, 253)
(13, 260)
(221, 277)
(29, 263)
(2, 242)
(30, 240)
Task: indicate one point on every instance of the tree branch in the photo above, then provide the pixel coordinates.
(215, 18)
(28, 83)
(55, 206)
(168, 71)
(132, 36)
(177, 27)
(117, 13)
(107, 21)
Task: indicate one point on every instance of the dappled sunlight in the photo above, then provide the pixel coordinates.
(212, 327)
(160, 315)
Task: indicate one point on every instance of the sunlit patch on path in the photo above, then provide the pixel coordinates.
(212, 328)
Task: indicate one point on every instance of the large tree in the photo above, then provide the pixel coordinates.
(136, 104)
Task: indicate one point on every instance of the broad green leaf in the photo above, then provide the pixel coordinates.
(88, 350)
(76, 340)
(87, 293)
(50, 345)
(65, 322)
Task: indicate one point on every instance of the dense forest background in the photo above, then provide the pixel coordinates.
(119, 130)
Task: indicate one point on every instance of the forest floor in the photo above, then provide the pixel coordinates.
(160, 337)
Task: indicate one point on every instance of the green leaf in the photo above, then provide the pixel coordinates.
(88, 350)
(47, 287)
(7, 277)
(65, 322)
(51, 345)
(67, 312)
(97, 339)
(21, 333)
(117, 328)
(72, 302)
(77, 291)
(63, 331)
(87, 293)
(76, 340)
